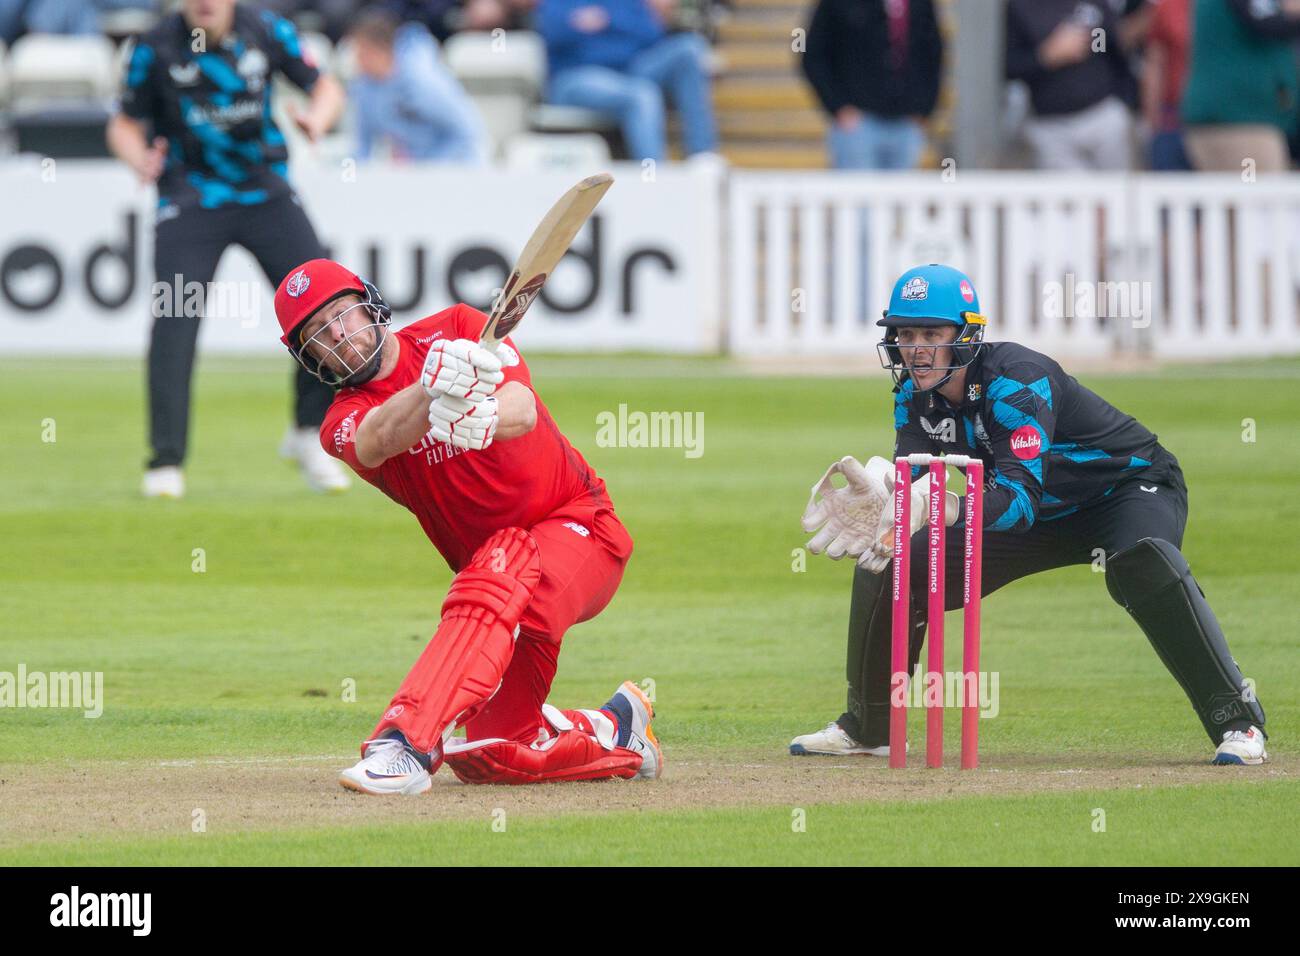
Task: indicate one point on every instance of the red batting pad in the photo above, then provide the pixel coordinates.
(570, 755)
(463, 663)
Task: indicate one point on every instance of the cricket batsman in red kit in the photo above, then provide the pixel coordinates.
(456, 434)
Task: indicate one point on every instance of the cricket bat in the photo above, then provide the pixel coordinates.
(547, 245)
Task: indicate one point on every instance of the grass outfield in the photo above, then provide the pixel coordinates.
(301, 595)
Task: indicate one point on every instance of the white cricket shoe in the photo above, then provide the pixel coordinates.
(323, 473)
(642, 739)
(165, 482)
(832, 741)
(1241, 747)
(388, 767)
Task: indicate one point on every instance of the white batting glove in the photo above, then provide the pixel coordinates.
(463, 423)
(462, 369)
(876, 558)
(845, 518)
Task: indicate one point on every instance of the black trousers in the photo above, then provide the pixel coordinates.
(1131, 512)
(279, 236)
(1121, 519)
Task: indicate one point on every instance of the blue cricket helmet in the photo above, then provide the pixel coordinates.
(931, 295)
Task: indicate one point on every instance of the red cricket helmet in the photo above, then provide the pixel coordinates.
(309, 288)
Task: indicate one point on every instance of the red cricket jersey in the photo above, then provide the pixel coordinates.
(462, 497)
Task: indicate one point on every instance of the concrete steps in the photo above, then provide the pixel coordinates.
(768, 118)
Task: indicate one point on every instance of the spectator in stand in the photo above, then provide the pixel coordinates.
(616, 56)
(445, 17)
(1242, 88)
(1070, 54)
(441, 17)
(1163, 78)
(46, 16)
(875, 67)
(497, 14)
(404, 94)
(336, 14)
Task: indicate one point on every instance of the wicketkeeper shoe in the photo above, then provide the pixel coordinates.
(832, 741)
(1241, 747)
(641, 737)
(165, 482)
(388, 767)
(323, 473)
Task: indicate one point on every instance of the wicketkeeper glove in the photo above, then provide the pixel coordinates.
(845, 518)
(461, 368)
(877, 557)
(463, 423)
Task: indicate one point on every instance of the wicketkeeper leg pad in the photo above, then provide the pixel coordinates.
(463, 663)
(579, 745)
(1151, 580)
(869, 656)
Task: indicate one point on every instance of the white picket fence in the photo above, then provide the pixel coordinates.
(1171, 266)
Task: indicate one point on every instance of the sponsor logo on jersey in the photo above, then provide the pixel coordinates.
(227, 116)
(346, 432)
(186, 75)
(916, 288)
(297, 283)
(1026, 443)
(429, 338)
(252, 66)
(973, 391)
(577, 528)
(394, 712)
(945, 431)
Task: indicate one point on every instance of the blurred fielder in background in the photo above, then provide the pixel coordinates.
(455, 433)
(1071, 480)
(196, 118)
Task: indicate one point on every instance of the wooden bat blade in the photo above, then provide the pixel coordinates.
(544, 249)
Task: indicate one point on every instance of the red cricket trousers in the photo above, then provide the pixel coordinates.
(581, 568)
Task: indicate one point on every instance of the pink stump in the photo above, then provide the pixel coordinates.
(902, 608)
(970, 665)
(935, 590)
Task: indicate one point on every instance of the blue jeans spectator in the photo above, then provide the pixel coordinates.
(46, 16)
(1168, 154)
(876, 142)
(420, 108)
(635, 96)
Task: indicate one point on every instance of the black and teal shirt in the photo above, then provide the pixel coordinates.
(1049, 445)
(214, 107)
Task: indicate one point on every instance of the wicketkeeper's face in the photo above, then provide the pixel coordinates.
(927, 352)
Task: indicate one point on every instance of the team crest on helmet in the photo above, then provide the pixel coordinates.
(297, 283)
(916, 288)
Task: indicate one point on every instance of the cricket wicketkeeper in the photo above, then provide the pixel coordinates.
(455, 433)
(1069, 479)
